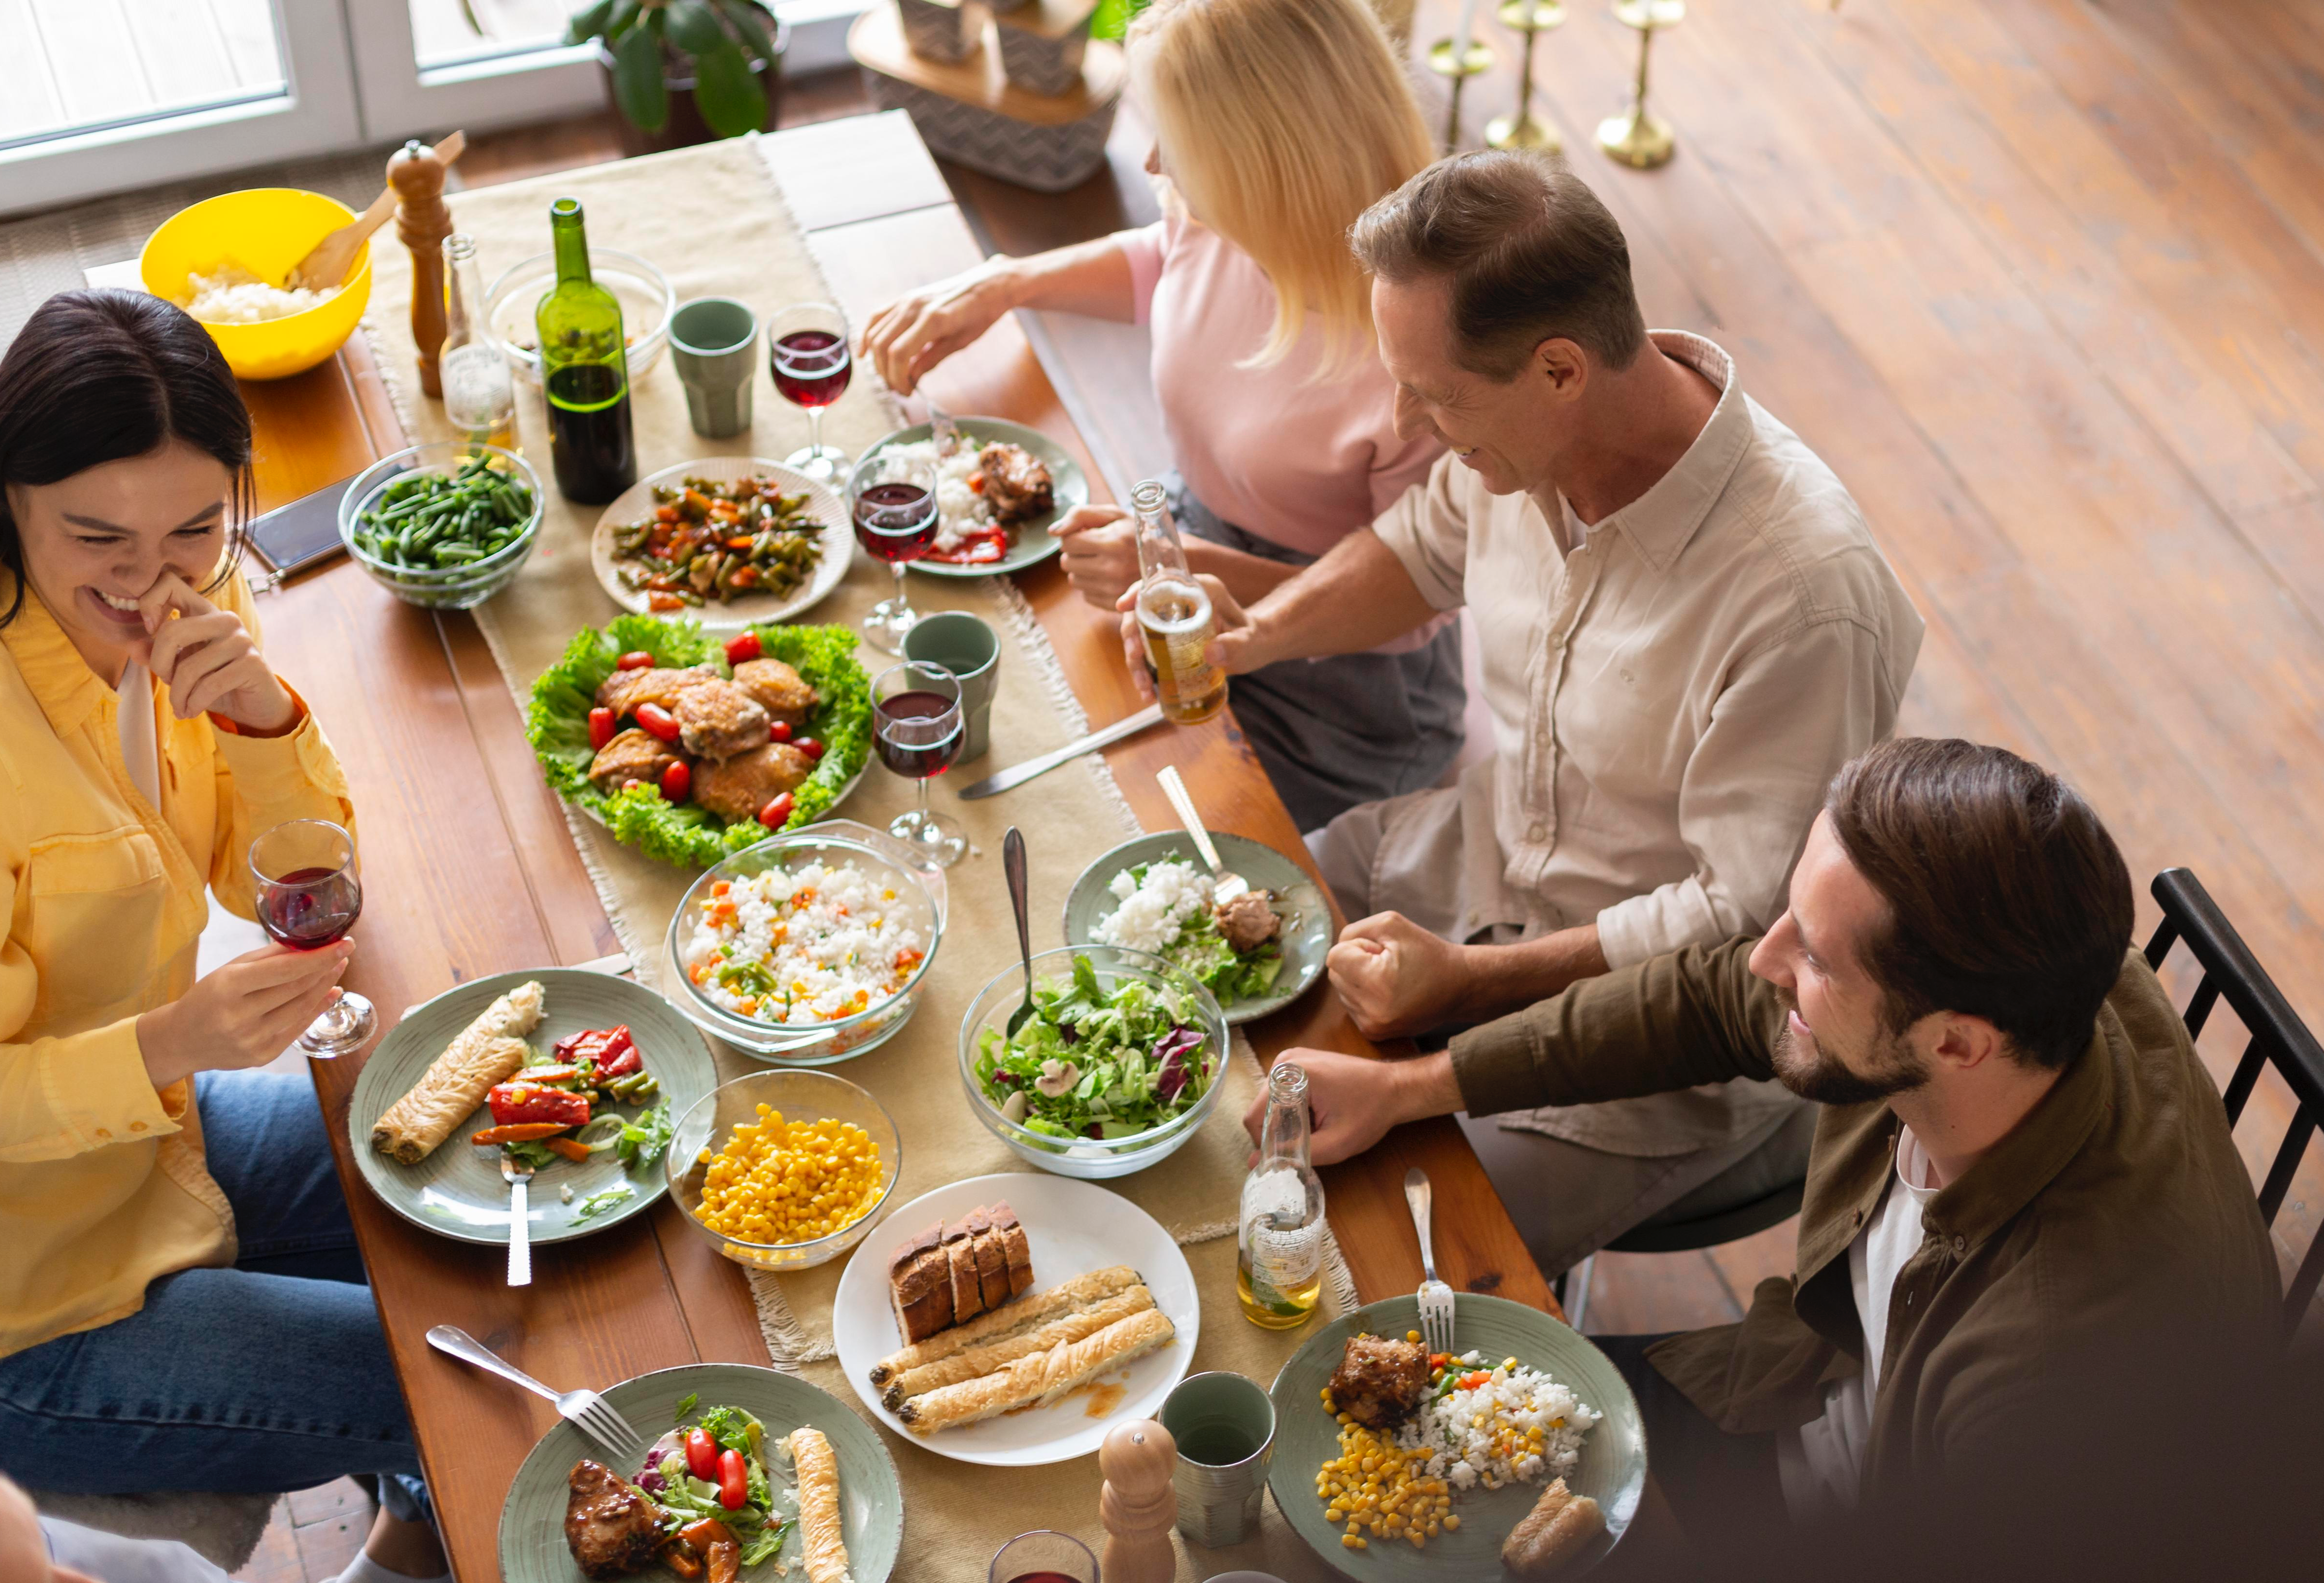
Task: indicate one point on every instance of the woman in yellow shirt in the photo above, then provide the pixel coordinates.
(181, 1305)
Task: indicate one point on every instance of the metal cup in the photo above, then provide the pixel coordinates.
(969, 648)
(714, 343)
(1224, 1425)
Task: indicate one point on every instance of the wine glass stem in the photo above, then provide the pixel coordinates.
(925, 815)
(902, 603)
(814, 429)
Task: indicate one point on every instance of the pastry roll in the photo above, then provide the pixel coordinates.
(996, 1354)
(821, 1545)
(488, 1050)
(1039, 1378)
(1022, 1315)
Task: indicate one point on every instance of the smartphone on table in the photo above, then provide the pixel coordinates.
(292, 537)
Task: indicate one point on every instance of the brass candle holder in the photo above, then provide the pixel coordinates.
(1640, 138)
(1480, 59)
(1523, 129)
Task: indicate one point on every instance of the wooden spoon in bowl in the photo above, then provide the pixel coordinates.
(326, 263)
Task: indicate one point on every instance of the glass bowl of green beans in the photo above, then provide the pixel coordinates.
(445, 525)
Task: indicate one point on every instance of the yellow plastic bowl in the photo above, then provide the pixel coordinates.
(265, 230)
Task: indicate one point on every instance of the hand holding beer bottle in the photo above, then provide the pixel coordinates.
(1171, 611)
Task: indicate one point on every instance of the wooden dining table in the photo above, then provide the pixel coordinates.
(469, 870)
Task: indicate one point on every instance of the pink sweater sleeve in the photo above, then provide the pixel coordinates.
(1143, 248)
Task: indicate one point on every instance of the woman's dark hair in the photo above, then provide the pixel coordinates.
(2007, 899)
(100, 375)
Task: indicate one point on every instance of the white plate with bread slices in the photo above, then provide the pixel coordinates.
(1013, 1320)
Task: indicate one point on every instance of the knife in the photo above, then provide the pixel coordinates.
(1018, 775)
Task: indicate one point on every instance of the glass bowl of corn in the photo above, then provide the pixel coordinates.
(784, 1170)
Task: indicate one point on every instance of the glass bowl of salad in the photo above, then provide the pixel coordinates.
(1122, 1060)
(771, 1105)
(807, 949)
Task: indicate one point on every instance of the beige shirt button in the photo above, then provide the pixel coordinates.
(1960, 1245)
(1537, 832)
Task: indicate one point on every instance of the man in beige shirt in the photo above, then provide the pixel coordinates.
(1687, 630)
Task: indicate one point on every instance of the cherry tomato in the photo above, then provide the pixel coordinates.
(743, 645)
(601, 728)
(635, 659)
(678, 782)
(781, 731)
(809, 746)
(733, 1480)
(701, 1454)
(658, 722)
(777, 812)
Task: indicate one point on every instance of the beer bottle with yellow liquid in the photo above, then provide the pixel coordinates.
(1174, 613)
(1280, 1237)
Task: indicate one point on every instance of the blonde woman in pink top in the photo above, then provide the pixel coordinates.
(1278, 411)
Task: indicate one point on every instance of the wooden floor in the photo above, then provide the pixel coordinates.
(2043, 280)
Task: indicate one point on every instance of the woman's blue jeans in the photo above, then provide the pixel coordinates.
(272, 1375)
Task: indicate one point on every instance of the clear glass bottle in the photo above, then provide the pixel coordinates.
(1280, 1237)
(1174, 613)
(479, 395)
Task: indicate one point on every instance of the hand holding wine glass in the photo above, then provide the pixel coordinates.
(808, 351)
(892, 501)
(917, 730)
(241, 1013)
(308, 896)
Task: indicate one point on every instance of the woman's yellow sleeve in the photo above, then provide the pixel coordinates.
(266, 781)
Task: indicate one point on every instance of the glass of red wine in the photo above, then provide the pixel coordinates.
(917, 730)
(307, 897)
(808, 348)
(892, 499)
(1044, 1556)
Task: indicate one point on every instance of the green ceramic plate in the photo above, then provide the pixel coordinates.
(871, 1503)
(1613, 1470)
(1307, 920)
(459, 1191)
(1033, 543)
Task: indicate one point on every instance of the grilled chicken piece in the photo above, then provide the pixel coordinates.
(610, 1526)
(718, 719)
(1379, 1383)
(630, 756)
(1248, 922)
(745, 784)
(1016, 483)
(624, 690)
(781, 692)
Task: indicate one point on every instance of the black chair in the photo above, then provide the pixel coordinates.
(2231, 972)
(1685, 1236)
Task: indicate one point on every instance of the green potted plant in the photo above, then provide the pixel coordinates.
(686, 72)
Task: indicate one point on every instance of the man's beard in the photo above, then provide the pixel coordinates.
(1824, 1079)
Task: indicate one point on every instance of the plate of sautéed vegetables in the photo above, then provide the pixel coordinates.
(729, 541)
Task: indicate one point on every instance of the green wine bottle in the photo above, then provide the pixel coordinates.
(585, 371)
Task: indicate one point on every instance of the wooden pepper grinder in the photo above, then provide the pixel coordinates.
(1139, 1505)
(417, 173)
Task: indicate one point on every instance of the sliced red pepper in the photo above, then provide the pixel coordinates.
(743, 646)
(734, 1482)
(726, 1561)
(516, 1102)
(780, 731)
(601, 725)
(635, 659)
(705, 1531)
(777, 813)
(661, 603)
(659, 722)
(563, 1073)
(809, 746)
(701, 1460)
(681, 1559)
(621, 1058)
(678, 782)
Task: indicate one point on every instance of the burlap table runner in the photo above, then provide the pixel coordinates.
(712, 220)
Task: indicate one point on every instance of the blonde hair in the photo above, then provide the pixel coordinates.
(1281, 121)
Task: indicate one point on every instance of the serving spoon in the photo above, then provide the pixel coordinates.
(326, 263)
(1225, 884)
(1013, 864)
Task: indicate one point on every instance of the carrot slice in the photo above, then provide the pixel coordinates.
(578, 1153)
(521, 1131)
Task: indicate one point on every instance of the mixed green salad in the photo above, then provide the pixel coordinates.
(1094, 1064)
(710, 1480)
(1165, 908)
(687, 834)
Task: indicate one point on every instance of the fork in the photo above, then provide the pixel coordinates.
(941, 428)
(587, 1411)
(1225, 884)
(1435, 1297)
(519, 1173)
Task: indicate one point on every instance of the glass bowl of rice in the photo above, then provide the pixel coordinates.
(644, 293)
(807, 949)
(800, 1128)
(1103, 1148)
